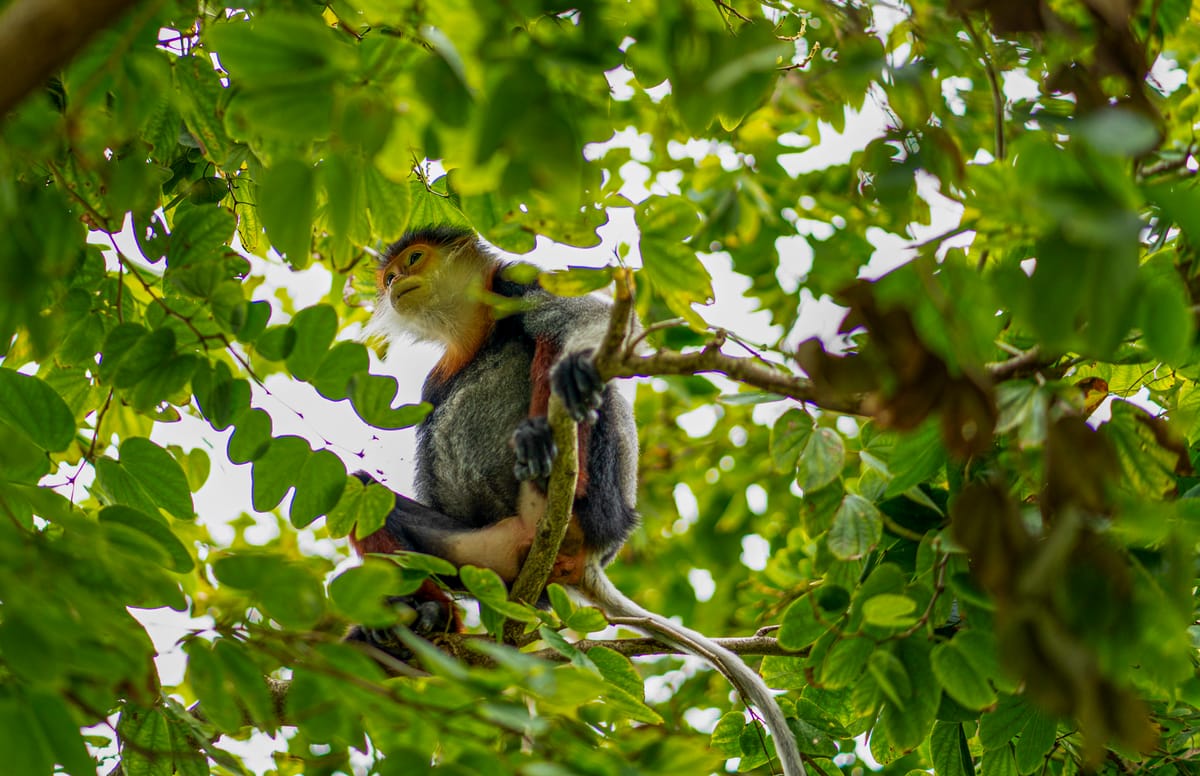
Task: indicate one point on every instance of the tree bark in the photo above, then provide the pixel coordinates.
(37, 37)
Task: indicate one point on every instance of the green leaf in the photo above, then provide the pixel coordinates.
(889, 673)
(909, 725)
(156, 530)
(821, 461)
(286, 592)
(251, 436)
(800, 625)
(372, 397)
(586, 619)
(144, 733)
(1037, 737)
(61, 732)
(366, 506)
(359, 593)
(999, 762)
(315, 329)
(790, 435)
(276, 342)
(678, 277)
(29, 404)
(159, 475)
(560, 601)
(25, 750)
(617, 670)
(998, 727)
(214, 687)
(1119, 131)
(278, 50)
(857, 528)
(490, 591)
(200, 234)
(252, 691)
(578, 281)
(277, 471)
(890, 611)
(948, 746)
(917, 457)
(339, 366)
(845, 662)
(961, 679)
(286, 202)
(727, 735)
(319, 486)
(1166, 319)
(220, 397)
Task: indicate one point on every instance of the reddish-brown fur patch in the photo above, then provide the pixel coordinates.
(539, 377)
(382, 541)
(461, 353)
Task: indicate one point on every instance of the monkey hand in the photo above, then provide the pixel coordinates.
(533, 444)
(577, 382)
(422, 617)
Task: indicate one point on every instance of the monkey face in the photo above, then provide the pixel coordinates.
(431, 291)
(405, 279)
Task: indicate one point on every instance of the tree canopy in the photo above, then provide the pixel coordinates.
(963, 525)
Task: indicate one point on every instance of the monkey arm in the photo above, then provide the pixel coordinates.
(571, 328)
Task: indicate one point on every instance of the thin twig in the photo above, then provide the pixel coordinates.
(994, 81)
(1030, 359)
(91, 453)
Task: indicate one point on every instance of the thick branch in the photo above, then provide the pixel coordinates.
(744, 370)
(560, 498)
(750, 645)
(37, 37)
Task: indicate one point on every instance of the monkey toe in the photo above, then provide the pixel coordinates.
(577, 382)
(534, 449)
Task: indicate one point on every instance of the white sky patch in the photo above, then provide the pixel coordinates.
(756, 498)
(1166, 74)
(165, 628)
(837, 147)
(1017, 85)
(819, 317)
(702, 584)
(687, 506)
(756, 551)
(951, 89)
(699, 422)
(703, 720)
(658, 92)
(795, 262)
(638, 144)
(619, 85)
(731, 308)
(660, 689)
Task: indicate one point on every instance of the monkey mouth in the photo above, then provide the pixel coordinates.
(397, 294)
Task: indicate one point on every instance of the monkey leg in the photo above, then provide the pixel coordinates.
(425, 613)
(500, 546)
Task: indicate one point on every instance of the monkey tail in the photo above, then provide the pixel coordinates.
(596, 586)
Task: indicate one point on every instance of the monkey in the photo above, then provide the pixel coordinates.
(485, 451)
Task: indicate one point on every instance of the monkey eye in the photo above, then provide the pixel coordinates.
(388, 278)
(414, 257)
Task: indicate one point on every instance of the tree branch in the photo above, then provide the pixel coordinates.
(560, 498)
(749, 645)
(38, 37)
